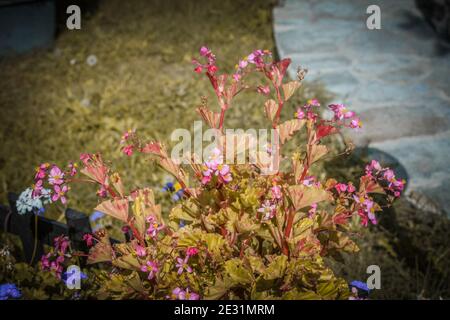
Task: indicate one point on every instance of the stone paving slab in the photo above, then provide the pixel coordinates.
(396, 78)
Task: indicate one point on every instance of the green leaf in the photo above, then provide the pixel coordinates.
(276, 268)
(217, 291)
(238, 273)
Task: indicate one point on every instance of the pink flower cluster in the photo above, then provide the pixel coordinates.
(342, 114)
(366, 209)
(342, 187)
(154, 226)
(89, 239)
(128, 147)
(386, 176)
(306, 111)
(180, 294)
(210, 65)
(53, 261)
(56, 178)
(215, 167)
(256, 58)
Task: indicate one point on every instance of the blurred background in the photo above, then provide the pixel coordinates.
(66, 92)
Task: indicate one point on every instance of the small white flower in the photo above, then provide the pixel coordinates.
(73, 61)
(27, 203)
(85, 102)
(91, 60)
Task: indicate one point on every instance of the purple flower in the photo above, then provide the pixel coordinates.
(182, 265)
(180, 294)
(9, 290)
(151, 267)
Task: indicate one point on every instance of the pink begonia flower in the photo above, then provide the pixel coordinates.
(55, 176)
(154, 227)
(264, 90)
(198, 69)
(128, 150)
(268, 210)
(340, 112)
(215, 166)
(127, 135)
(276, 192)
(370, 210)
(40, 173)
(45, 260)
(341, 187)
(299, 114)
(37, 189)
(364, 219)
(182, 265)
(180, 294)
(140, 250)
(61, 243)
(350, 187)
(212, 69)
(204, 51)
(373, 165)
(366, 210)
(72, 169)
(206, 176)
(152, 268)
(102, 192)
(356, 123)
(314, 102)
(191, 251)
(389, 175)
(243, 63)
(215, 159)
(176, 293)
(223, 172)
(210, 66)
(60, 193)
(89, 238)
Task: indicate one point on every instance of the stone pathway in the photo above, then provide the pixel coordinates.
(397, 79)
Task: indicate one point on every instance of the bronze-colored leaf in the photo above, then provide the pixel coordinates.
(287, 129)
(117, 208)
(289, 89)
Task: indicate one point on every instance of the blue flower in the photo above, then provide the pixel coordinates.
(96, 215)
(360, 285)
(178, 195)
(9, 290)
(181, 224)
(168, 187)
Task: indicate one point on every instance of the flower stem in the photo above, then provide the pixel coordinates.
(35, 238)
